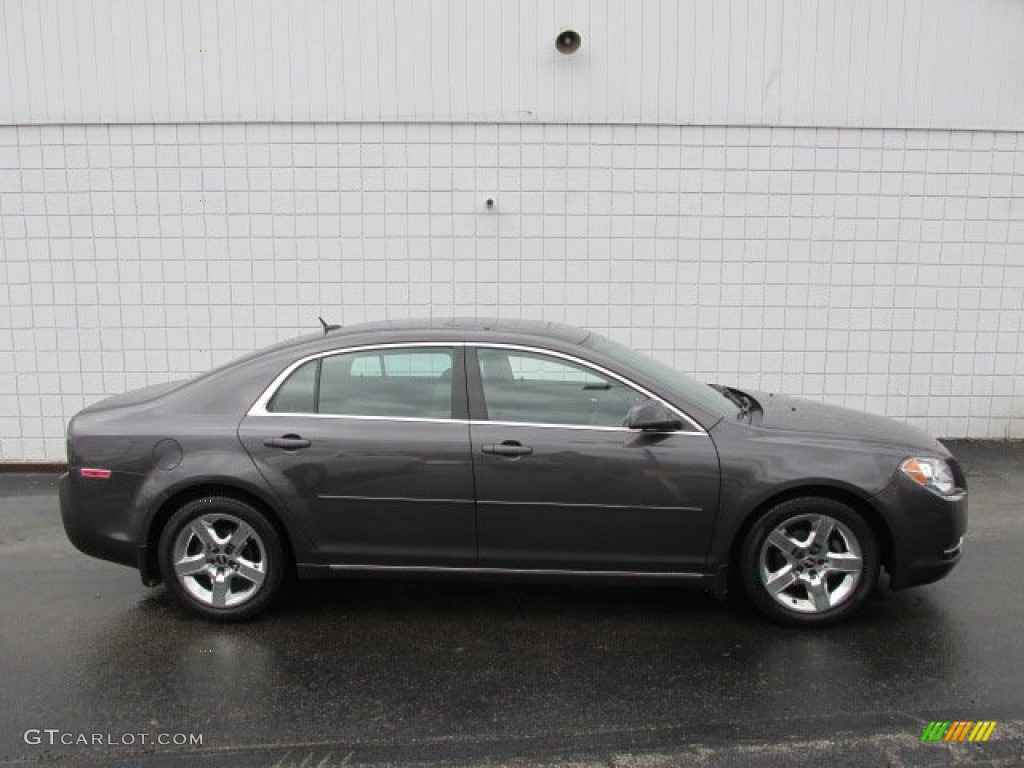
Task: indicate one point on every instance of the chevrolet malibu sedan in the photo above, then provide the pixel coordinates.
(503, 448)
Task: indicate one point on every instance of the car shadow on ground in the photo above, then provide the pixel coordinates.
(553, 650)
(510, 665)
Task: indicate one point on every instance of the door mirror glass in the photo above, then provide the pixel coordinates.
(652, 416)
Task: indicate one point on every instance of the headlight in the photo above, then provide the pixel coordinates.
(934, 474)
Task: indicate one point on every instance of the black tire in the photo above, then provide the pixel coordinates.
(229, 575)
(795, 604)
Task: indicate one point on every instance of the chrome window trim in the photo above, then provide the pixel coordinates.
(356, 417)
(545, 425)
(259, 408)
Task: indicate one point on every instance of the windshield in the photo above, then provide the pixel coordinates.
(677, 383)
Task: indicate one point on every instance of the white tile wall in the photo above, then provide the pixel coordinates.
(860, 63)
(883, 270)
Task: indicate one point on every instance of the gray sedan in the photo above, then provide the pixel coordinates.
(504, 448)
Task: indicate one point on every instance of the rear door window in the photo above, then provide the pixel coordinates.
(405, 383)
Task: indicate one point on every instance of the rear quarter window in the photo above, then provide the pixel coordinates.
(298, 392)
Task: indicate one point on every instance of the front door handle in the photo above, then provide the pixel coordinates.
(509, 448)
(287, 442)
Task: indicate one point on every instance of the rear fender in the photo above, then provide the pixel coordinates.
(210, 469)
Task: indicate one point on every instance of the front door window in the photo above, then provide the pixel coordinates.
(527, 387)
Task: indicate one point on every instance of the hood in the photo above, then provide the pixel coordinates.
(796, 414)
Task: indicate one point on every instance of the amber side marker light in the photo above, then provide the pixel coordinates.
(95, 474)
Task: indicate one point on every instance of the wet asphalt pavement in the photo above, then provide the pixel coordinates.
(400, 672)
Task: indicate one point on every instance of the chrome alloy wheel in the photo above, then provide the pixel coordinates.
(220, 560)
(811, 563)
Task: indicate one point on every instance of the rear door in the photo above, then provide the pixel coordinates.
(562, 484)
(369, 448)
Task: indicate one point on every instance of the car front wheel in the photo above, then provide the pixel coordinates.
(222, 558)
(809, 561)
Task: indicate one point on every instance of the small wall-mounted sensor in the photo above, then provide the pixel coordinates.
(568, 41)
(489, 202)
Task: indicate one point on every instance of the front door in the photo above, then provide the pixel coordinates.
(370, 451)
(562, 484)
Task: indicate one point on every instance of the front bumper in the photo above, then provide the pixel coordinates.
(927, 531)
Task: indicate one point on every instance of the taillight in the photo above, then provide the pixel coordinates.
(95, 474)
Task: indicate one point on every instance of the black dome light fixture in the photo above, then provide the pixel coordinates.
(568, 41)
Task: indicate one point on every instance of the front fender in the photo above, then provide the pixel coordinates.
(759, 465)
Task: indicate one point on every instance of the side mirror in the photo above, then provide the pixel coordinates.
(652, 416)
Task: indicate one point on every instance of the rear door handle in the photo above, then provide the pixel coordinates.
(509, 448)
(287, 442)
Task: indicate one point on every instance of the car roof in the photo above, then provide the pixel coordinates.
(478, 327)
(414, 331)
(222, 385)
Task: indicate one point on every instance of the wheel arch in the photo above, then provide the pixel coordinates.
(148, 564)
(859, 504)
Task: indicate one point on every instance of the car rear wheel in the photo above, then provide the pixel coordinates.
(222, 558)
(809, 561)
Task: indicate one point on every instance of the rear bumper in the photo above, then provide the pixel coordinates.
(94, 520)
(928, 532)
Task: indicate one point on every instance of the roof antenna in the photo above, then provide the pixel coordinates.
(328, 328)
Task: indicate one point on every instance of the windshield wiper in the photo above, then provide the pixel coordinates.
(747, 404)
(741, 399)
(745, 407)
